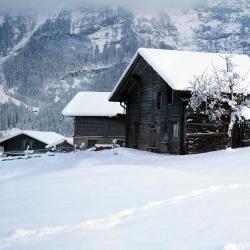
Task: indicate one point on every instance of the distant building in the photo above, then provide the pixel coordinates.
(96, 120)
(155, 88)
(63, 145)
(19, 141)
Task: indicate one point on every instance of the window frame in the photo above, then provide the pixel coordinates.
(170, 96)
(27, 142)
(159, 100)
(175, 130)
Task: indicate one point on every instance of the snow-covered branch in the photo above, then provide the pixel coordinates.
(220, 93)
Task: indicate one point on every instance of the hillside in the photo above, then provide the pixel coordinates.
(46, 59)
(126, 199)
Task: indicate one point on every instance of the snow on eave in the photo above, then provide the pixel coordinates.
(45, 137)
(157, 69)
(66, 139)
(12, 136)
(92, 104)
(178, 68)
(123, 75)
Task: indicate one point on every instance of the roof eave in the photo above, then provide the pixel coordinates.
(23, 133)
(115, 93)
(104, 115)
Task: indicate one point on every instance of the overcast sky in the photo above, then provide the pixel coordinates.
(48, 5)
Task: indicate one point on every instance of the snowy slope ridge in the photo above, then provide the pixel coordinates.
(7, 99)
(4, 98)
(101, 200)
(22, 43)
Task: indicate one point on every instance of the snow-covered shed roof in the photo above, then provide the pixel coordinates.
(92, 104)
(178, 68)
(43, 136)
(65, 139)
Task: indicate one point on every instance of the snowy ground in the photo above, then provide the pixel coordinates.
(131, 200)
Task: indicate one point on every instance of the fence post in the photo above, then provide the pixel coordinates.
(27, 152)
(114, 143)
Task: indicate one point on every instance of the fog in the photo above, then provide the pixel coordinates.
(48, 5)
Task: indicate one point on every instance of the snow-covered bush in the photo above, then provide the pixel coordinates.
(220, 93)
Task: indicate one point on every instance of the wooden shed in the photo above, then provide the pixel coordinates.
(154, 89)
(17, 142)
(63, 145)
(96, 120)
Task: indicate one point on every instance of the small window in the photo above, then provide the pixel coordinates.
(92, 143)
(175, 130)
(159, 100)
(170, 95)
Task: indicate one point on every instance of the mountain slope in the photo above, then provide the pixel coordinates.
(47, 60)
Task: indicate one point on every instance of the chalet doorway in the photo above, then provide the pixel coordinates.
(153, 138)
(132, 135)
(174, 137)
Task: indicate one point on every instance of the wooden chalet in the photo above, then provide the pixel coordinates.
(96, 120)
(154, 89)
(18, 142)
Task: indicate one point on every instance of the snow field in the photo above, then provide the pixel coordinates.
(129, 200)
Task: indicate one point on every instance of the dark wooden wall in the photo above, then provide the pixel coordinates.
(241, 135)
(203, 135)
(17, 144)
(148, 127)
(100, 126)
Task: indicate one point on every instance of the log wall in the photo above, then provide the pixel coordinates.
(203, 135)
(99, 130)
(148, 126)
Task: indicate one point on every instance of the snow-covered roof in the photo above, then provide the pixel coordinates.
(92, 104)
(43, 136)
(67, 139)
(178, 68)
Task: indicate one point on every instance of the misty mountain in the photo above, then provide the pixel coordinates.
(46, 60)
